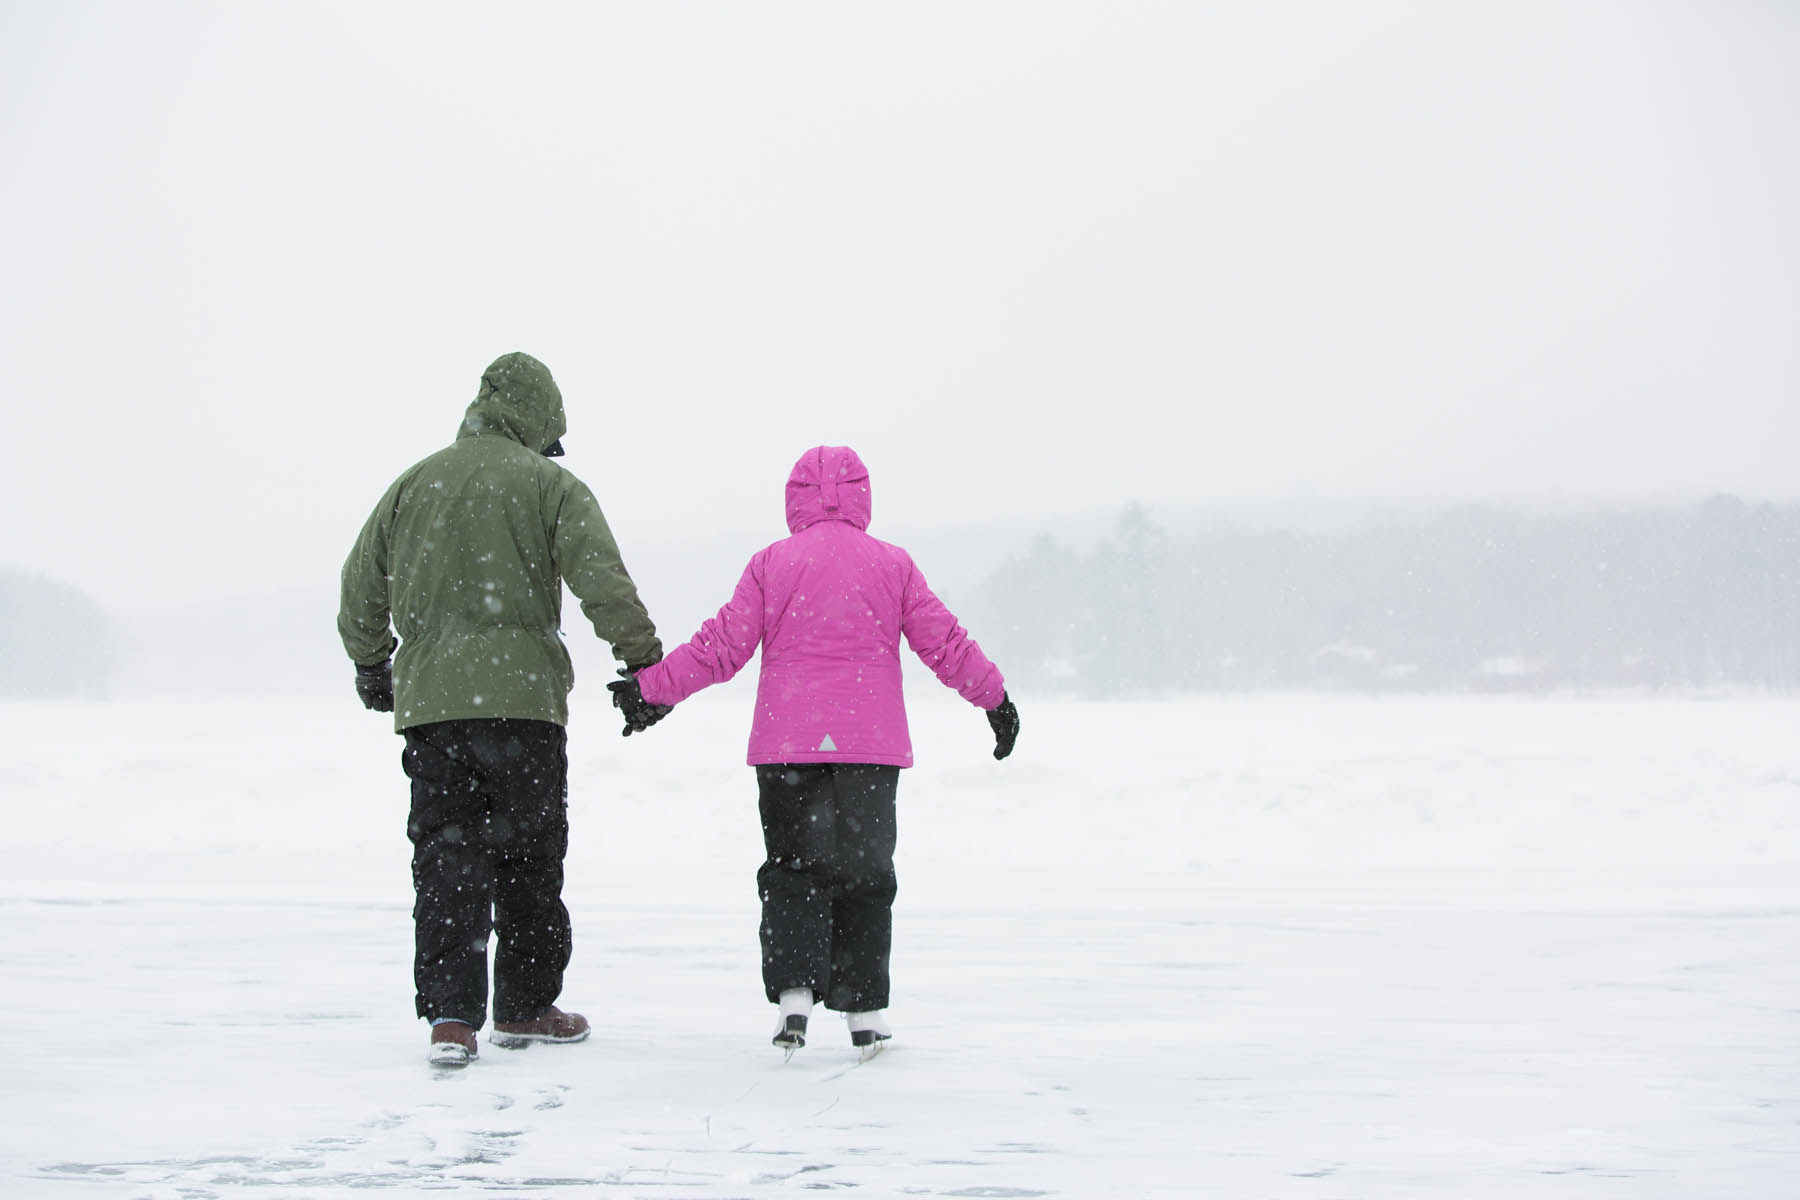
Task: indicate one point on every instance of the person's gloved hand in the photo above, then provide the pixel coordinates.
(375, 686)
(1005, 721)
(628, 698)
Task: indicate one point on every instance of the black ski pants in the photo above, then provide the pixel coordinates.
(828, 885)
(489, 828)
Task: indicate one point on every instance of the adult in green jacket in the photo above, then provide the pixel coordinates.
(465, 557)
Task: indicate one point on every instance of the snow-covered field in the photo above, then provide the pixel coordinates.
(1265, 947)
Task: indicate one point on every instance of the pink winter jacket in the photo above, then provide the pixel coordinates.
(828, 606)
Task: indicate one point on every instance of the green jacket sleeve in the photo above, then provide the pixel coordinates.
(588, 559)
(363, 618)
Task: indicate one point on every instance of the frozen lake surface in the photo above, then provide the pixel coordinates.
(1263, 947)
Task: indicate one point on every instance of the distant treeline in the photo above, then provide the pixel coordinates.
(1467, 598)
(54, 640)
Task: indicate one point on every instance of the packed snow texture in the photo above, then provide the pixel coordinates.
(1259, 947)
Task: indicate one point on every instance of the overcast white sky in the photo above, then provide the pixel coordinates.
(1029, 258)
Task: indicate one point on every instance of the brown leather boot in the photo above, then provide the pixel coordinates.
(452, 1044)
(554, 1025)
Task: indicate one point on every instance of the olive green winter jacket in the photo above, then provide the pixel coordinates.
(466, 554)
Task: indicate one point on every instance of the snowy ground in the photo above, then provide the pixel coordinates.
(1265, 947)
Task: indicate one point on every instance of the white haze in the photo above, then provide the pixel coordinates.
(1031, 259)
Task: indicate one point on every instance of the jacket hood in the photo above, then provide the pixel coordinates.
(829, 483)
(519, 400)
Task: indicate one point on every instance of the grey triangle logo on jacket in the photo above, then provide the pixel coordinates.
(828, 744)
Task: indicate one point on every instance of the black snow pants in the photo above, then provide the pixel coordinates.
(828, 885)
(489, 828)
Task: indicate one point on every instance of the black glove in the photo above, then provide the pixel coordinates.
(375, 684)
(628, 698)
(1005, 720)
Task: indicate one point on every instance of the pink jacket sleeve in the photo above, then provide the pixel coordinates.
(718, 651)
(946, 647)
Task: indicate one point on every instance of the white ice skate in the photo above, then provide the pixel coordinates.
(790, 1026)
(868, 1032)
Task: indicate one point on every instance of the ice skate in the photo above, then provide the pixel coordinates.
(868, 1032)
(790, 1035)
(790, 1027)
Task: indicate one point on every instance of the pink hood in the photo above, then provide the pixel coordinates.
(829, 483)
(828, 607)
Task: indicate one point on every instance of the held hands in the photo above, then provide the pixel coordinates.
(628, 698)
(375, 684)
(1004, 719)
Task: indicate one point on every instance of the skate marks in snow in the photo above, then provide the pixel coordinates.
(441, 1145)
(1482, 1051)
(824, 1123)
(343, 1101)
(833, 1118)
(866, 1054)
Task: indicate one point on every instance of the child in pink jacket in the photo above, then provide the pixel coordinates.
(828, 606)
